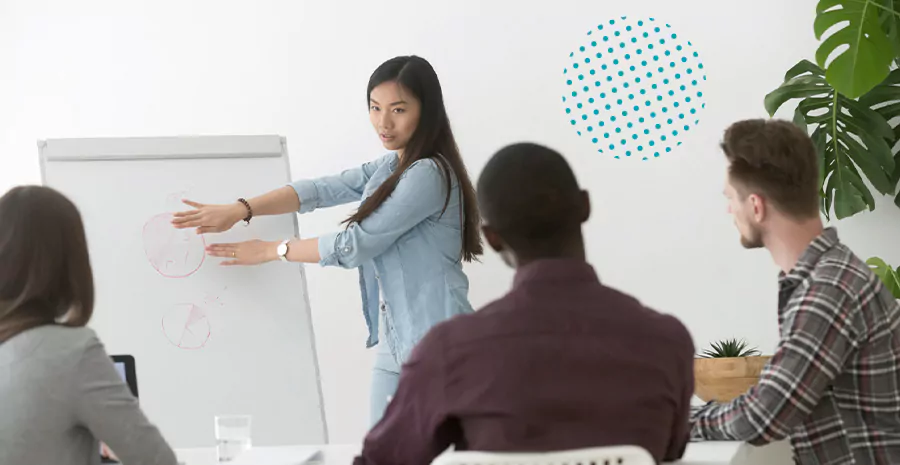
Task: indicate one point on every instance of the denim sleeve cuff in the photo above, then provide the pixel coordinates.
(308, 194)
(327, 255)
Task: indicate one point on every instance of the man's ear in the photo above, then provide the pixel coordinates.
(585, 213)
(759, 206)
(496, 242)
(492, 238)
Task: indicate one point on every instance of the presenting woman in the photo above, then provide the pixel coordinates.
(417, 223)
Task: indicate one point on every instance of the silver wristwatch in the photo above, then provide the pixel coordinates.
(282, 250)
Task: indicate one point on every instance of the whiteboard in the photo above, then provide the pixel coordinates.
(207, 340)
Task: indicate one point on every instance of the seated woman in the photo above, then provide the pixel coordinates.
(60, 392)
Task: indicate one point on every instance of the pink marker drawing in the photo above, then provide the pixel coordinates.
(187, 327)
(173, 253)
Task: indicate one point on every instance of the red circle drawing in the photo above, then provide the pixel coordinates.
(173, 253)
(187, 327)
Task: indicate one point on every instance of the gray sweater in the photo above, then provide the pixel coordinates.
(59, 394)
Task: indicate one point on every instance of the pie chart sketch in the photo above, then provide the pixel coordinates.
(173, 253)
(187, 327)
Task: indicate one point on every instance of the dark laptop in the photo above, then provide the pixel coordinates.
(125, 366)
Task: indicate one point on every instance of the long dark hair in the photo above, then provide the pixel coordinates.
(45, 270)
(432, 139)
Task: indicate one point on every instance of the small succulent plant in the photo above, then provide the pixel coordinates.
(728, 348)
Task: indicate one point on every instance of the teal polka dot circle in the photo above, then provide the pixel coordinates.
(638, 79)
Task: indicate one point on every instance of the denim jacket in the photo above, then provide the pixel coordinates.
(406, 248)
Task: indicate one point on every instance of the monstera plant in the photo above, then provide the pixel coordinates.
(853, 137)
(849, 98)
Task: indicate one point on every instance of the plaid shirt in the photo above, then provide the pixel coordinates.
(833, 384)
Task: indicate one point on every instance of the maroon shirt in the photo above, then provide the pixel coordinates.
(561, 362)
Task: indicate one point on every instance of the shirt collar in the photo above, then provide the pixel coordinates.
(824, 242)
(554, 270)
(394, 162)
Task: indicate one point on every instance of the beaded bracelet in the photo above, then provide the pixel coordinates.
(249, 210)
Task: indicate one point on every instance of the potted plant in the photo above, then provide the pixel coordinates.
(727, 369)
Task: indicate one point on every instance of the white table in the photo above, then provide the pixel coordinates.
(704, 453)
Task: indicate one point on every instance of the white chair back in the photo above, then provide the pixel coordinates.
(615, 455)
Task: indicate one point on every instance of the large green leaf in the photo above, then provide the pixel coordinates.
(851, 139)
(890, 22)
(888, 275)
(885, 92)
(798, 85)
(885, 99)
(867, 60)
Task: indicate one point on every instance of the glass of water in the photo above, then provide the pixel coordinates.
(232, 436)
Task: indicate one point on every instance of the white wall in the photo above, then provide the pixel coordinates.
(299, 69)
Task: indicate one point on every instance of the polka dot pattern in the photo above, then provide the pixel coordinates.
(634, 87)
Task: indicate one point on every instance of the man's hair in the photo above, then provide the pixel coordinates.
(528, 194)
(776, 160)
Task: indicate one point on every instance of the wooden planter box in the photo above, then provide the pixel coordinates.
(723, 379)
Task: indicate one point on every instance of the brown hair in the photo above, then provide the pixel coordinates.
(432, 139)
(45, 271)
(776, 160)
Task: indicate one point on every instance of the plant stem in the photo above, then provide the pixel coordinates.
(834, 140)
(878, 5)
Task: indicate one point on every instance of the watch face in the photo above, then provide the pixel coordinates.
(282, 249)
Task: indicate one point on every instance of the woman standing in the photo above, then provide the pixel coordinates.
(417, 222)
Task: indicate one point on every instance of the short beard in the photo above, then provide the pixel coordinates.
(754, 240)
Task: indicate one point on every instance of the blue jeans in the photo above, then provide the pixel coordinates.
(385, 375)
